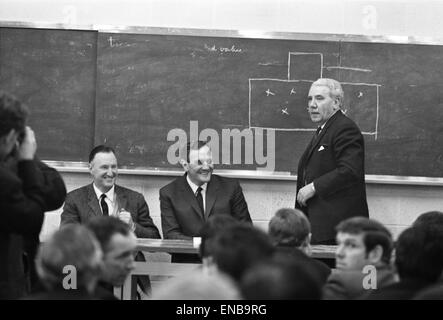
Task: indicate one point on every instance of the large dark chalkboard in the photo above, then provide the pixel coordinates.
(53, 72)
(131, 90)
(150, 84)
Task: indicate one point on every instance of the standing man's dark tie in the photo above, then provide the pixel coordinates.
(104, 205)
(200, 199)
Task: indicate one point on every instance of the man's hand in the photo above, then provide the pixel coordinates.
(125, 216)
(305, 193)
(28, 147)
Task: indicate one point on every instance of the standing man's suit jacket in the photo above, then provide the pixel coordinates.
(335, 162)
(181, 215)
(82, 204)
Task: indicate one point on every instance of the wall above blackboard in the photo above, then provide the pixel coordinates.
(144, 85)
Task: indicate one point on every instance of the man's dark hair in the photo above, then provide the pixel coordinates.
(213, 226)
(238, 248)
(374, 233)
(285, 278)
(419, 253)
(98, 149)
(289, 227)
(104, 228)
(13, 115)
(194, 145)
(430, 218)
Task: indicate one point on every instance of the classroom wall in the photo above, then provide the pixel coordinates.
(399, 21)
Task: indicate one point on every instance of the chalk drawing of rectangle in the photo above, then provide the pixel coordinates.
(279, 104)
(305, 66)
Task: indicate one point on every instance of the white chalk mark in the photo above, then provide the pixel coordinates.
(293, 91)
(360, 94)
(110, 41)
(269, 92)
(348, 68)
(285, 111)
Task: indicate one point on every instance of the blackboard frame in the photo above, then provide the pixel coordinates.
(82, 167)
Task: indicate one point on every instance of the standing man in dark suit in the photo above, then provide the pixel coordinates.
(331, 178)
(104, 197)
(188, 201)
(28, 188)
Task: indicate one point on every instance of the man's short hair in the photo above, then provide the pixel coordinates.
(213, 226)
(193, 145)
(13, 114)
(105, 227)
(72, 245)
(374, 233)
(430, 218)
(198, 286)
(289, 227)
(335, 88)
(285, 278)
(98, 149)
(419, 253)
(239, 247)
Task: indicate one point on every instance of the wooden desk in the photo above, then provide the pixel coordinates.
(174, 269)
(186, 246)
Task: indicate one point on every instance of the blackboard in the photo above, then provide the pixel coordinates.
(130, 90)
(53, 72)
(150, 84)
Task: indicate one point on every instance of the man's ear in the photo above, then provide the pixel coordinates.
(376, 254)
(184, 164)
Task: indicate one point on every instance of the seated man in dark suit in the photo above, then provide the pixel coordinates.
(188, 201)
(28, 188)
(290, 232)
(104, 197)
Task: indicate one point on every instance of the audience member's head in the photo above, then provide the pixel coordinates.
(198, 162)
(213, 226)
(430, 218)
(118, 244)
(362, 241)
(239, 247)
(419, 253)
(13, 115)
(103, 167)
(198, 286)
(282, 278)
(73, 252)
(290, 228)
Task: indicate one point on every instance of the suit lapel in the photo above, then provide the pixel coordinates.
(93, 201)
(322, 133)
(188, 196)
(211, 195)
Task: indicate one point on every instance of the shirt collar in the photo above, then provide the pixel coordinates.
(110, 194)
(194, 187)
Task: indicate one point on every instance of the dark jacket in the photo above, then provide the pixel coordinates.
(335, 163)
(82, 204)
(181, 215)
(27, 189)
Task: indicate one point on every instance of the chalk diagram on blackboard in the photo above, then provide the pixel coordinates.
(275, 104)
